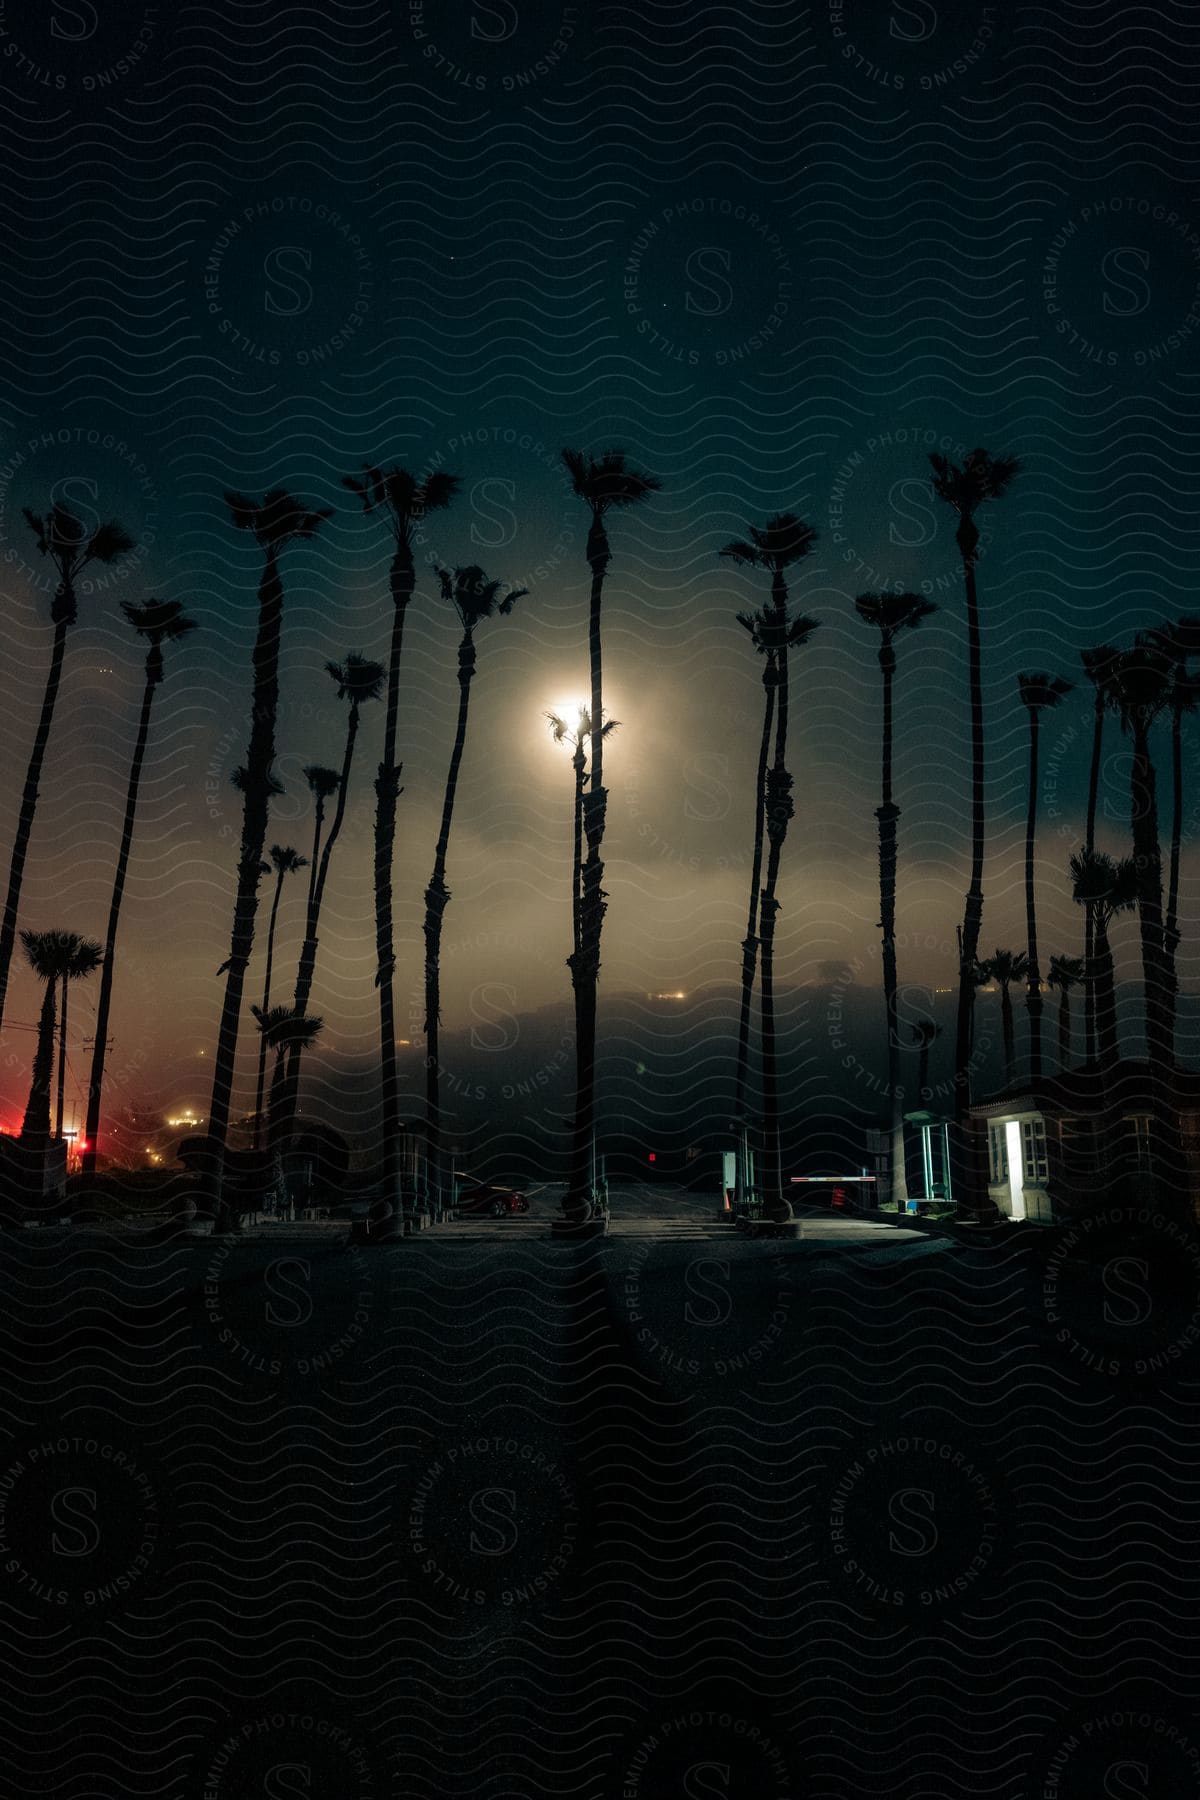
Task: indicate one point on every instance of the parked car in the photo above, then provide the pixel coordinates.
(494, 1198)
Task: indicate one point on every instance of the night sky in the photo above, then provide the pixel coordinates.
(778, 253)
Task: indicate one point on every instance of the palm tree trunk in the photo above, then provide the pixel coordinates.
(1010, 1041)
(1089, 920)
(260, 755)
(779, 812)
(37, 1111)
(580, 1199)
(888, 815)
(923, 1074)
(61, 1107)
(307, 968)
(1166, 1149)
(1107, 1044)
(580, 766)
(260, 1084)
(1171, 926)
(436, 900)
(29, 800)
(402, 578)
(1033, 977)
(91, 1130)
(1064, 1031)
(966, 1181)
(750, 942)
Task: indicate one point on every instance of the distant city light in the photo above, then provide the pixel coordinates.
(674, 994)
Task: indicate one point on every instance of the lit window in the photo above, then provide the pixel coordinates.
(998, 1153)
(1033, 1149)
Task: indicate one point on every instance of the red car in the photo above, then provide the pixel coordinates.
(495, 1198)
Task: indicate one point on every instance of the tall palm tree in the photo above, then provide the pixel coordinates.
(276, 521)
(778, 545)
(978, 480)
(52, 955)
(604, 482)
(402, 500)
(1038, 694)
(85, 962)
(71, 549)
(1066, 972)
(157, 622)
(1096, 663)
(1179, 642)
(284, 861)
(358, 681)
(577, 736)
(282, 1030)
(1004, 967)
(890, 614)
(474, 597)
(1105, 888)
(924, 1033)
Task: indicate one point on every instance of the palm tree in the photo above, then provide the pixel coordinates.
(1096, 664)
(1004, 967)
(1066, 972)
(1105, 888)
(604, 483)
(284, 861)
(784, 541)
(282, 1030)
(277, 521)
(158, 622)
(52, 955)
(965, 487)
(924, 1033)
(85, 962)
(1038, 694)
(65, 540)
(890, 614)
(403, 500)
(358, 681)
(474, 598)
(1178, 642)
(577, 736)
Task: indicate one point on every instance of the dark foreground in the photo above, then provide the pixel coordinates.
(667, 1515)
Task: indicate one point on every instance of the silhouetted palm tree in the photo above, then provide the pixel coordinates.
(1038, 694)
(784, 541)
(158, 622)
(577, 736)
(1004, 967)
(890, 614)
(474, 598)
(924, 1033)
(403, 500)
(602, 482)
(1104, 888)
(71, 549)
(284, 861)
(85, 962)
(277, 521)
(1096, 663)
(358, 681)
(1179, 642)
(1066, 972)
(966, 487)
(52, 956)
